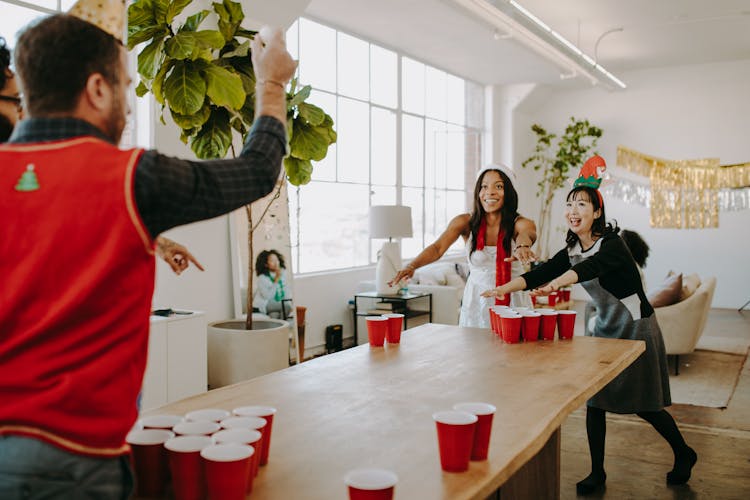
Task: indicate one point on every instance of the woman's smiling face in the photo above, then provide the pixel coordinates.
(492, 191)
(580, 213)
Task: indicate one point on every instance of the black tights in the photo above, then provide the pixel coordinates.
(662, 421)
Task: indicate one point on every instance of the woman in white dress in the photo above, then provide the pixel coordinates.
(498, 241)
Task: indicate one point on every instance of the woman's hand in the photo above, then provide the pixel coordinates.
(547, 289)
(177, 256)
(403, 274)
(494, 292)
(522, 253)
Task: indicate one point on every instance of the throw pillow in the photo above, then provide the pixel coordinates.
(453, 279)
(668, 292)
(690, 284)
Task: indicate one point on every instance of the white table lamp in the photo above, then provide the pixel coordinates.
(388, 221)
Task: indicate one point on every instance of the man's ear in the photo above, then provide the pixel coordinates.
(98, 92)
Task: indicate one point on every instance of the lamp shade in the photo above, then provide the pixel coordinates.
(390, 221)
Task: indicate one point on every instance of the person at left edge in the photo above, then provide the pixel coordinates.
(76, 260)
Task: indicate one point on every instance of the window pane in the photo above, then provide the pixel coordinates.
(412, 197)
(412, 149)
(317, 64)
(434, 153)
(333, 226)
(432, 200)
(456, 157)
(383, 146)
(326, 168)
(49, 4)
(353, 141)
(353, 67)
(456, 100)
(14, 19)
(473, 162)
(474, 105)
(67, 4)
(412, 87)
(292, 40)
(383, 77)
(455, 204)
(435, 93)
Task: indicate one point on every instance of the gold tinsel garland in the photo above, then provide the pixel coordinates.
(684, 193)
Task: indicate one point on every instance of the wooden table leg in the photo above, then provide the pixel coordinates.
(539, 478)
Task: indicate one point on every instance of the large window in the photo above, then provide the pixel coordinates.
(408, 134)
(17, 14)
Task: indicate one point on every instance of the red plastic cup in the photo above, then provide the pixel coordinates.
(484, 413)
(494, 322)
(247, 437)
(552, 299)
(266, 413)
(395, 324)
(227, 468)
(184, 452)
(371, 484)
(501, 311)
(159, 422)
(196, 428)
(566, 322)
(511, 328)
(149, 459)
(565, 295)
(533, 300)
(209, 414)
(548, 324)
(455, 430)
(530, 330)
(377, 326)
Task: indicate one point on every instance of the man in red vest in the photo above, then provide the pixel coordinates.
(79, 219)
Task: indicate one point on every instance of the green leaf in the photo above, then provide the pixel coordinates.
(309, 143)
(224, 87)
(158, 83)
(313, 114)
(298, 171)
(299, 97)
(214, 138)
(192, 121)
(141, 14)
(150, 58)
(141, 89)
(160, 10)
(241, 51)
(192, 22)
(185, 89)
(245, 33)
(209, 38)
(174, 9)
(235, 11)
(181, 45)
(137, 36)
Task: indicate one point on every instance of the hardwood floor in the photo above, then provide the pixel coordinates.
(637, 458)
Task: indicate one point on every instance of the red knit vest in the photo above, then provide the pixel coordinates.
(77, 277)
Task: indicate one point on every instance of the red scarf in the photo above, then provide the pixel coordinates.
(502, 268)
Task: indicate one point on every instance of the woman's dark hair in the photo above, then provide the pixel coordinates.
(4, 63)
(261, 263)
(637, 246)
(600, 227)
(6, 128)
(508, 212)
(55, 57)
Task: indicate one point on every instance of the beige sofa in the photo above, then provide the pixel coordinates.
(682, 323)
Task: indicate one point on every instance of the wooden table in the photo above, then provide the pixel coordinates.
(372, 407)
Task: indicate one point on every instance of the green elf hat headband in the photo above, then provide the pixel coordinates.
(589, 175)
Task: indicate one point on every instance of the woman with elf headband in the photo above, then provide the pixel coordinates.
(498, 241)
(597, 257)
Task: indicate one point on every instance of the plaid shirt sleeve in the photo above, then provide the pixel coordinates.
(171, 192)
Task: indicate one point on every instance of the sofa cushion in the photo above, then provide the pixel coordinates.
(668, 292)
(690, 284)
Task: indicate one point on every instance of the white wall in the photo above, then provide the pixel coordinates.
(684, 112)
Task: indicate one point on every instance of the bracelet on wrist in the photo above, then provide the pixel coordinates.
(272, 82)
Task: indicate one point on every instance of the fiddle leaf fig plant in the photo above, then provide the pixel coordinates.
(555, 157)
(204, 79)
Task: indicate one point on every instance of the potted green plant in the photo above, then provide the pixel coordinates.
(555, 157)
(204, 79)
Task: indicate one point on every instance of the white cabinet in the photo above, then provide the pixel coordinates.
(177, 359)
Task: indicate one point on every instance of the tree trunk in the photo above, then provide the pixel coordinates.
(544, 225)
(250, 266)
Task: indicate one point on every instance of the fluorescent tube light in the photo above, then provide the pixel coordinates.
(512, 17)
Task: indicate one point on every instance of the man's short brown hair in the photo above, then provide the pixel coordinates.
(55, 57)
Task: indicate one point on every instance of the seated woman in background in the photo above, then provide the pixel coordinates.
(271, 288)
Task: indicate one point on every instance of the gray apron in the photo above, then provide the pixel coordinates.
(644, 385)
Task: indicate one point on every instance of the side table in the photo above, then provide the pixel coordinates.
(400, 302)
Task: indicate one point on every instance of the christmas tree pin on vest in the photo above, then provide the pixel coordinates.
(28, 180)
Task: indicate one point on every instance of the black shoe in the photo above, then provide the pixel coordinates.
(592, 484)
(683, 466)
